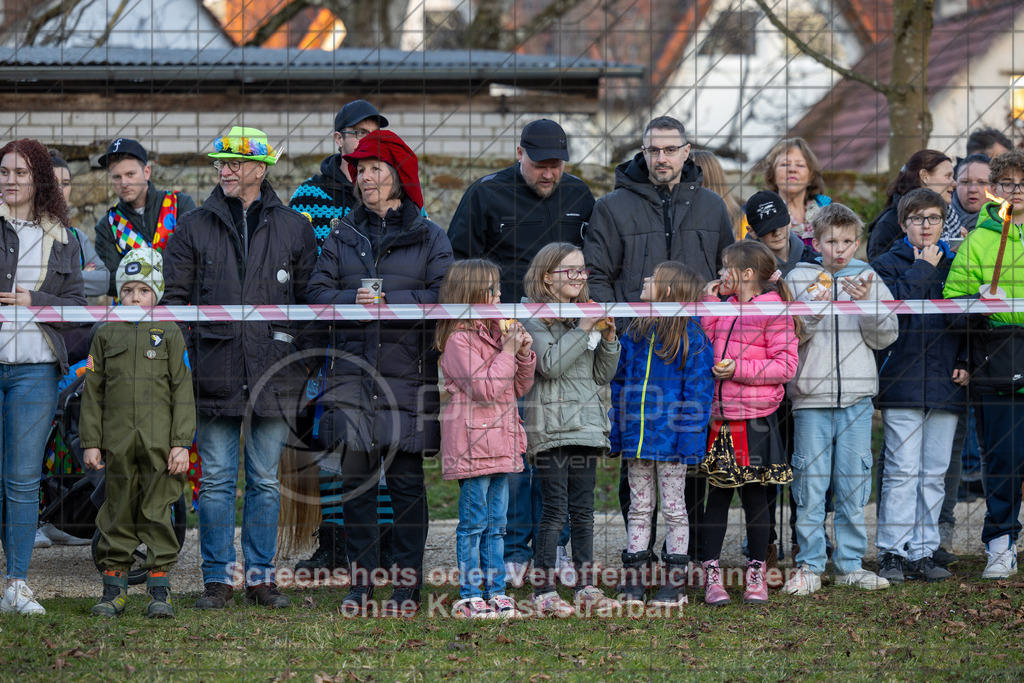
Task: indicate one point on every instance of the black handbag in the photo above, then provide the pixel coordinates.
(997, 359)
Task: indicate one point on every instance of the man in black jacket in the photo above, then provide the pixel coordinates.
(244, 246)
(143, 215)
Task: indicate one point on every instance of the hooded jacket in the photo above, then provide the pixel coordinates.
(837, 364)
(382, 375)
(918, 371)
(631, 229)
(325, 198)
(206, 262)
(885, 230)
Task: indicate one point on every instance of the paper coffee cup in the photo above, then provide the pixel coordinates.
(375, 285)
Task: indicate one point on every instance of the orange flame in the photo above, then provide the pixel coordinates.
(1004, 206)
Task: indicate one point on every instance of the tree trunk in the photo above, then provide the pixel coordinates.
(910, 118)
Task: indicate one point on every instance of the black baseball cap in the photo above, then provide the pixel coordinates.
(125, 146)
(544, 139)
(356, 111)
(766, 212)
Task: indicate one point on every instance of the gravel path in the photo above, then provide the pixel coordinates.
(68, 571)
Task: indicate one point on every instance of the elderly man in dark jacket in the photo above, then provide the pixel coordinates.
(244, 246)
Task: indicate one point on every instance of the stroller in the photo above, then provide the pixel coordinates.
(70, 495)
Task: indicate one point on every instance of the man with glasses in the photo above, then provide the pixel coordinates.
(659, 211)
(243, 246)
(143, 215)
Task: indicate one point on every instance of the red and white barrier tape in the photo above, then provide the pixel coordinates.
(186, 314)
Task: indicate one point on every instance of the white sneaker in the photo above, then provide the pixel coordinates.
(515, 573)
(862, 578)
(803, 582)
(18, 599)
(1002, 558)
(42, 540)
(62, 537)
(564, 567)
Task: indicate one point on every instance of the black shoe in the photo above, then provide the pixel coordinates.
(404, 602)
(672, 592)
(215, 596)
(944, 558)
(355, 603)
(892, 567)
(926, 569)
(266, 595)
(330, 553)
(635, 567)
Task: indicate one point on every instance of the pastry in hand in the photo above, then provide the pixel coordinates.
(823, 281)
(506, 325)
(602, 324)
(722, 364)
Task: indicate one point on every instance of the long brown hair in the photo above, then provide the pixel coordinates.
(672, 281)
(466, 282)
(909, 177)
(48, 199)
(760, 259)
(816, 182)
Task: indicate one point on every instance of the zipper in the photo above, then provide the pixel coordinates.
(721, 407)
(835, 331)
(643, 398)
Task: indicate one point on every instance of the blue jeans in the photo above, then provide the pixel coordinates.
(28, 398)
(525, 508)
(836, 441)
(479, 536)
(217, 440)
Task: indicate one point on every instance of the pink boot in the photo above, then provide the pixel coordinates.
(714, 591)
(757, 589)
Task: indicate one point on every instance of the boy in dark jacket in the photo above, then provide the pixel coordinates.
(138, 422)
(920, 395)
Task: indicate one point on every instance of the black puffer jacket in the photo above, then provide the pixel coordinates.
(382, 377)
(234, 363)
(626, 237)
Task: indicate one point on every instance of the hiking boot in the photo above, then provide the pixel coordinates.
(215, 596)
(926, 569)
(266, 595)
(159, 588)
(564, 567)
(632, 588)
(115, 595)
(944, 558)
(1002, 558)
(772, 573)
(673, 587)
(863, 579)
(591, 600)
(356, 602)
(892, 568)
(756, 591)
(473, 608)
(404, 602)
(803, 582)
(330, 552)
(714, 590)
(504, 607)
(551, 604)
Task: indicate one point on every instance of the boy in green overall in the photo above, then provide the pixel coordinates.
(138, 422)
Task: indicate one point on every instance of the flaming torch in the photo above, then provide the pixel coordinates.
(993, 290)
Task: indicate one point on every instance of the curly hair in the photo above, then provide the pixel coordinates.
(1005, 163)
(48, 199)
(816, 183)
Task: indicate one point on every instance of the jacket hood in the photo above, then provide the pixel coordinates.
(905, 249)
(217, 202)
(856, 267)
(635, 175)
(330, 171)
(990, 220)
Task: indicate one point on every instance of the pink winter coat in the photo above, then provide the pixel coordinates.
(765, 350)
(481, 431)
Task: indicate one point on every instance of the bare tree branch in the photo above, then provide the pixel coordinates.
(101, 41)
(276, 20)
(63, 8)
(542, 21)
(822, 59)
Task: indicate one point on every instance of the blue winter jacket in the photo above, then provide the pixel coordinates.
(661, 411)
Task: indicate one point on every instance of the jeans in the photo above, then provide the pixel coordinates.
(479, 543)
(567, 479)
(218, 441)
(28, 397)
(951, 484)
(525, 507)
(1001, 419)
(836, 440)
(917, 444)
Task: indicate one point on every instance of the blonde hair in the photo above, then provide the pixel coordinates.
(714, 180)
(760, 259)
(672, 281)
(470, 281)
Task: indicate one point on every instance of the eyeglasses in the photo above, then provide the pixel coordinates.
(1009, 187)
(921, 220)
(357, 134)
(655, 152)
(575, 273)
(232, 164)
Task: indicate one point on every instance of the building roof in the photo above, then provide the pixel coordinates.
(850, 125)
(297, 71)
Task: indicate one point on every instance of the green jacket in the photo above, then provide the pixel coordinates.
(976, 260)
(137, 385)
(565, 407)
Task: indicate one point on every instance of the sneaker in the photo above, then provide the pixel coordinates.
(892, 567)
(159, 588)
(404, 602)
(551, 604)
(59, 537)
(803, 582)
(515, 573)
(266, 595)
(357, 601)
(757, 588)
(926, 569)
(1002, 558)
(215, 596)
(473, 608)
(42, 540)
(18, 599)
(714, 591)
(564, 567)
(590, 600)
(504, 607)
(862, 578)
(944, 558)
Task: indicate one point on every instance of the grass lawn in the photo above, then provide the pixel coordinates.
(962, 628)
